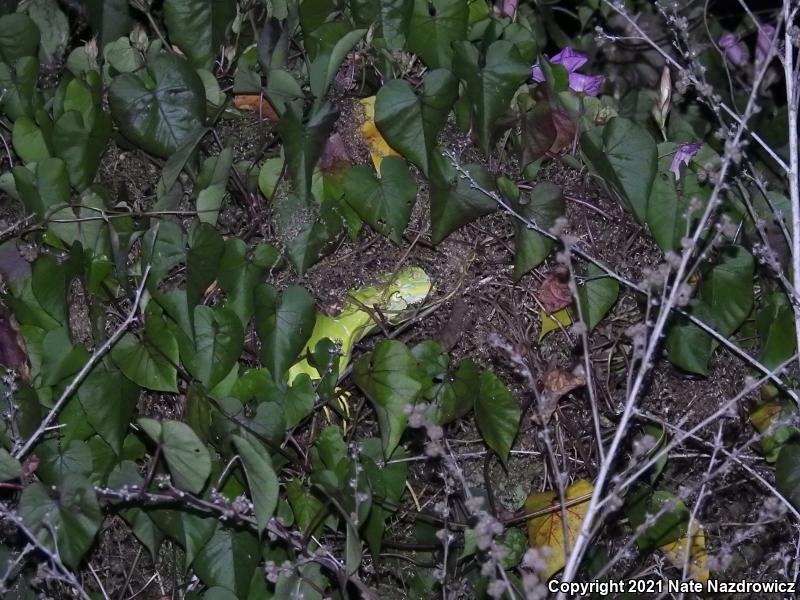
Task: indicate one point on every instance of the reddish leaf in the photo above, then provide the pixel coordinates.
(545, 132)
(12, 348)
(334, 155)
(554, 293)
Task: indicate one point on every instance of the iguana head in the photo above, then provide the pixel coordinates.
(397, 293)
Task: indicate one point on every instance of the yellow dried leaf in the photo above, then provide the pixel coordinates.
(558, 319)
(378, 148)
(547, 531)
(698, 557)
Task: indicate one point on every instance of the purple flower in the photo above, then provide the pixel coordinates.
(591, 85)
(735, 51)
(578, 82)
(683, 154)
(764, 41)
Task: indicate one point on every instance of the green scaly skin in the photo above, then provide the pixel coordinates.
(393, 299)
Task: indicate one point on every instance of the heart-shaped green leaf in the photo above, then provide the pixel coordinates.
(411, 123)
(160, 108)
(228, 560)
(284, 323)
(543, 207)
(390, 378)
(151, 362)
(109, 401)
(597, 293)
(70, 514)
(187, 457)
(218, 341)
(724, 301)
(435, 25)
(625, 155)
(454, 200)
(775, 323)
(497, 414)
(384, 203)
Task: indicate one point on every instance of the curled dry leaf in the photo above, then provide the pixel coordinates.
(698, 556)
(547, 530)
(557, 383)
(378, 147)
(255, 103)
(554, 293)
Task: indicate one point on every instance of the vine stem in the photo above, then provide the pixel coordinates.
(87, 368)
(794, 166)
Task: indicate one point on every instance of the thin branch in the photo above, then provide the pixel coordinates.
(87, 368)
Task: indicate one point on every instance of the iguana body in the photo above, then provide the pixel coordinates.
(392, 299)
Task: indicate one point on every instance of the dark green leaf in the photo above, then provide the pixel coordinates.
(109, 401)
(161, 108)
(81, 141)
(626, 156)
(261, 479)
(206, 247)
(597, 293)
(303, 144)
(9, 466)
(284, 323)
(110, 19)
(724, 301)
(44, 188)
(325, 65)
(151, 362)
(411, 123)
(389, 377)
(670, 524)
(218, 341)
(19, 36)
(543, 207)
(391, 17)
(497, 414)
(491, 84)
(435, 25)
(211, 186)
(787, 473)
(775, 323)
(384, 203)
(454, 202)
(228, 560)
(70, 513)
(186, 456)
(198, 27)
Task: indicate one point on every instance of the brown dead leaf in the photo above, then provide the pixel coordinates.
(334, 154)
(554, 293)
(557, 383)
(255, 103)
(12, 348)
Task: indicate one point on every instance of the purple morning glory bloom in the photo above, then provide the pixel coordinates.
(591, 85)
(764, 41)
(683, 154)
(735, 51)
(572, 61)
